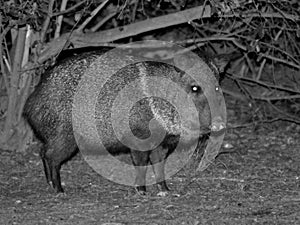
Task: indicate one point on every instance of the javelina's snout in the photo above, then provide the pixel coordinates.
(218, 125)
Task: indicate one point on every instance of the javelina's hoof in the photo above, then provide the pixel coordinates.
(162, 186)
(141, 190)
(163, 189)
(50, 184)
(57, 189)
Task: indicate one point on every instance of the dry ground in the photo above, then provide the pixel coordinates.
(254, 181)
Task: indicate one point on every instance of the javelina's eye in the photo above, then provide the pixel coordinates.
(196, 89)
(217, 88)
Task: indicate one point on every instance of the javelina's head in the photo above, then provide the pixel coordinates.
(188, 100)
(205, 92)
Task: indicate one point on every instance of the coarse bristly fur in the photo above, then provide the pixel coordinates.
(49, 112)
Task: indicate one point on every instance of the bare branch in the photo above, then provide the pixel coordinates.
(47, 21)
(277, 98)
(260, 83)
(69, 9)
(60, 18)
(292, 120)
(93, 14)
(102, 37)
(103, 21)
(214, 38)
(280, 60)
(268, 51)
(27, 46)
(95, 39)
(264, 15)
(2, 54)
(11, 118)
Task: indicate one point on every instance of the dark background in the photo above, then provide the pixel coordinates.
(255, 179)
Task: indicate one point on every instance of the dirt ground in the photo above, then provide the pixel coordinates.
(255, 180)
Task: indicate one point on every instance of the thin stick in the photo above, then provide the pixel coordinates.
(70, 9)
(27, 46)
(268, 52)
(60, 19)
(47, 21)
(93, 14)
(103, 21)
(2, 37)
(281, 61)
(260, 83)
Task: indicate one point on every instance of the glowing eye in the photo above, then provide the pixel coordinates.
(196, 89)
(217, 88)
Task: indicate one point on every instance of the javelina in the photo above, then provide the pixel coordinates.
(49, 112)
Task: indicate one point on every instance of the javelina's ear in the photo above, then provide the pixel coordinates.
(222, 61)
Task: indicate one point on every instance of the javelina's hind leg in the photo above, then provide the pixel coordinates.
(140, 161)
(157, 159)
(55, 172)
(46, 165)
(52, 169)
(56, 153)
